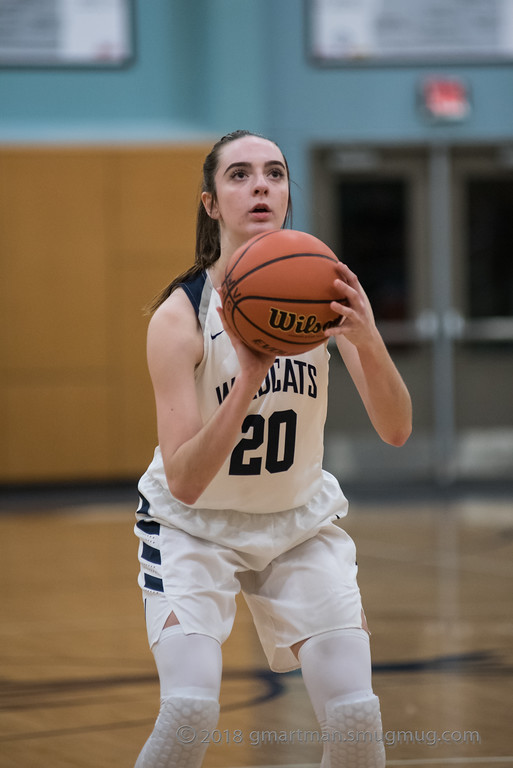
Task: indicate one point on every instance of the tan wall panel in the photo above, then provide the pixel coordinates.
(134, 410)
(154, 203)
(4, 441)
(57, 432)
(87, 238)
(53, 287)
(152, 231)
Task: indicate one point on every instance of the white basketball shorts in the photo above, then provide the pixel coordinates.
(296, 569)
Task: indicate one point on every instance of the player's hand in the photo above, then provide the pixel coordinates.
(357, 322)
(250, 360)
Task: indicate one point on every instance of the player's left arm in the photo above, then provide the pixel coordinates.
(381, 388)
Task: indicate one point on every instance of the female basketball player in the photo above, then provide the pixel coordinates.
(221, 510)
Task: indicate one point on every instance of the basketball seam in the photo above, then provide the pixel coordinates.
(251, 271)
(277, 299)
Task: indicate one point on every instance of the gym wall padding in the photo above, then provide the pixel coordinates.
(87, 237)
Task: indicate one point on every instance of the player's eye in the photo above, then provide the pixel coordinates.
(238, 173)
(277, 173)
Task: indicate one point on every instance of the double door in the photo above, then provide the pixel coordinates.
(429, 231)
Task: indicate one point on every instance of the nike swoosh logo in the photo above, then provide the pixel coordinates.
(215, 335)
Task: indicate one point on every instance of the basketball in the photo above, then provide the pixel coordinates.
(277, 291)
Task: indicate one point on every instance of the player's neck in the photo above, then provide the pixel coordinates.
(216, 272)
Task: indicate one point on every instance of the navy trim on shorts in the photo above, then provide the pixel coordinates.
(150, 554)
(149, 526)
(144, 505)
(152, 582)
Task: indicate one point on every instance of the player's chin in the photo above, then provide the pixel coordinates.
(262, 223)
(261, 226)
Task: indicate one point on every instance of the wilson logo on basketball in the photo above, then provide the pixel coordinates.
(290, 322)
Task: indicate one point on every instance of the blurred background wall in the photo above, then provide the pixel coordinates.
(99, 179)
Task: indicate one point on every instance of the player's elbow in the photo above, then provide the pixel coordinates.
(183, 491)
(399, 436)
(397, 428)
(398, 441)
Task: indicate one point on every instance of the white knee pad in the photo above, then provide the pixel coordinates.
(178, 738)
(354, 732)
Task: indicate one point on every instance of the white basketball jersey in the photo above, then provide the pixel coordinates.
(276, 463)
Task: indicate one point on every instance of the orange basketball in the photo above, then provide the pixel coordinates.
(277, 291)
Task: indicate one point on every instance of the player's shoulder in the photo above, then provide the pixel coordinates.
(174, 326)
(176, 307)
(192, 294)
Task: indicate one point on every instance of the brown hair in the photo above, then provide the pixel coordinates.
(208, 247)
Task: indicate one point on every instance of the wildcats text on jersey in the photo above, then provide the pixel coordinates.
(285, 375)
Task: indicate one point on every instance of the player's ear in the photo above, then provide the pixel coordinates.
(209, 204)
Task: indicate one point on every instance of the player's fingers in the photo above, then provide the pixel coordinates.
(345, 291)
(344, 311)
(347, 275)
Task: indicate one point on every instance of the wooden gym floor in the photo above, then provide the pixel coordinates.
(78, 685)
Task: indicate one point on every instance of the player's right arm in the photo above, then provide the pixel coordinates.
(193, 451)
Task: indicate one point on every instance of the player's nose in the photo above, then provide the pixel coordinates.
(261, 185)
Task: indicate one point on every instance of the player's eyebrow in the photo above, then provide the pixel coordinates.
(245, 164)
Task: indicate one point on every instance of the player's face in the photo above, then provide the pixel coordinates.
(252, 190)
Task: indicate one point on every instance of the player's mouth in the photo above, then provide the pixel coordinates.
(260, 211)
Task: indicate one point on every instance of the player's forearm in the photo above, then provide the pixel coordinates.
(192, 467)
(386, 398)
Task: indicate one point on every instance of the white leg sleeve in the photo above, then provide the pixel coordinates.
(189, 668)
(187, 660)
(336, 669)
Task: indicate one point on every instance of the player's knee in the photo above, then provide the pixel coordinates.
(187, 713)
(354, 731)
(176, 739)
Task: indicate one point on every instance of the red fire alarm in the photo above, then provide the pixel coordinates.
(445, 99)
